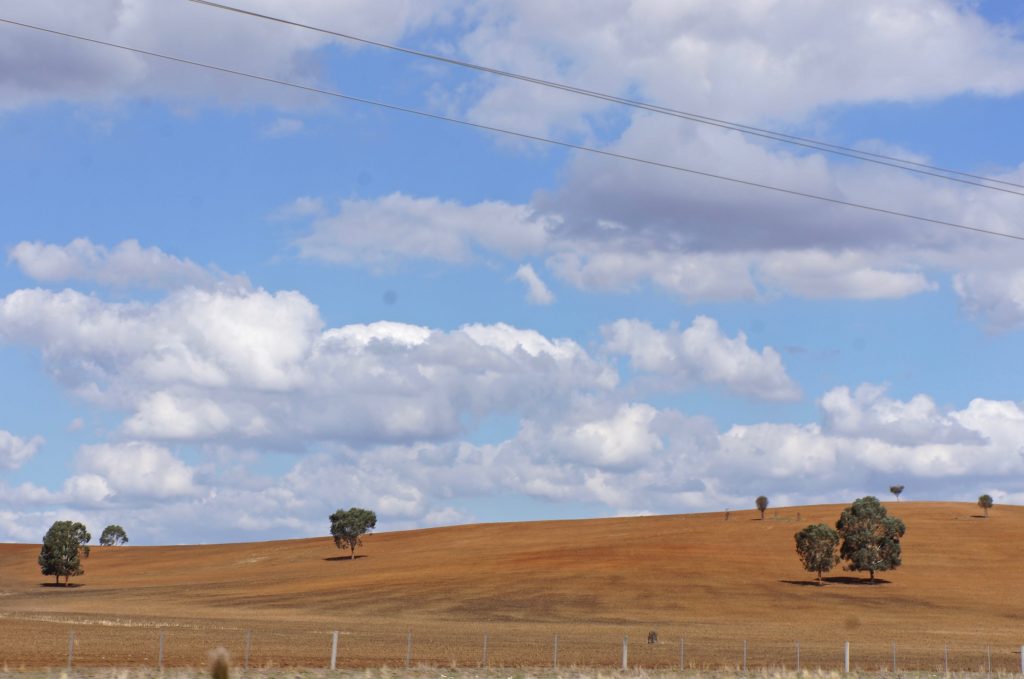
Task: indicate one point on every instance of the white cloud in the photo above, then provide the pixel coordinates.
(398, 227)
(536, 291)
(868, 412)
(137, 469)
(701, 354)
(247, 365)
(628, 457)
(822, 275)
(994, 295)
(45, 68)
(127, 264)
(15, 451)
(755, 61)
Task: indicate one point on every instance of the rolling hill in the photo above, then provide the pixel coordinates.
(714, 582)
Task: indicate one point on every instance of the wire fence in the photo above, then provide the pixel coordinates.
(33, 645)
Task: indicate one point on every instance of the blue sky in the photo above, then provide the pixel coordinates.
(228, 309)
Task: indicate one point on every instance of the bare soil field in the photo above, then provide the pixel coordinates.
(714, 584)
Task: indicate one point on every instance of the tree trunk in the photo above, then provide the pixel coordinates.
(56, 579)
(872, 571)
(819, 579)
(762, 515)
(986, 511)
(352, 556)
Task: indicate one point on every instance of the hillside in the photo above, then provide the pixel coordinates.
(713, 581)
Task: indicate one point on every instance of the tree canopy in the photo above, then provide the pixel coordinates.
(762, 504)
(348, 527)
(64, 545)
(985, 502)
(871, 538)
(896, 490)
(113, 535)
(816, 546)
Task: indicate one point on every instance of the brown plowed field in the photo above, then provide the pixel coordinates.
(714, 583)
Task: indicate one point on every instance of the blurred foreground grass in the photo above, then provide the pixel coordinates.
(504, 673)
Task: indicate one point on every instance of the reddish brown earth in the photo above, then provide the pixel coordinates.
(713, 582)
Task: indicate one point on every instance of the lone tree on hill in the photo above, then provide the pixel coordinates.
(113, 535)
(896, 490)
(816, 546)
(63, 547)
(762, 504)
(348, 527)
(871, 538)
(985, 502)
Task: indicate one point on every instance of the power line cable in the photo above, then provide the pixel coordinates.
(857, 154)
(521, 135)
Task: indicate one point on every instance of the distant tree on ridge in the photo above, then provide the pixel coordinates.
(348, 527)
(985, 502)
(896, 490)
(762, 504)
(113, 535)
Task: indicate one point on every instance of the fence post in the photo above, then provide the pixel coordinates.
(71, 648)
(797, 656)
(894, 657)
(554, 654)
(334, 650)
(682, 654)
(485, 650)
(1022, 659)
(846, 657)
(160, 658)
(408, 650)
(248, 648)
(989, 649)
(744, 655)
(945, 658)
(625, 652)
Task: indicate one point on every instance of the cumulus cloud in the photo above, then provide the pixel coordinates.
(997, 296)
(846, 275)
(45, 68)
(613, 225)
(867, 412)
(246, 365)
(629, 458)
(701, 354)
(536, 291)
(399, 227)
(15, 451)
(126, 265)
(137, 468)
(758, 60)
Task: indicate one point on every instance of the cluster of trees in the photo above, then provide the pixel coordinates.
(67, 543)
(865, 536)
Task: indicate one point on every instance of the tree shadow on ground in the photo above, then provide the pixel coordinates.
(71, 585)
(343, 558)
(837, 580)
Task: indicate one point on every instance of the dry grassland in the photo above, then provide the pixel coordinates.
(713, 582)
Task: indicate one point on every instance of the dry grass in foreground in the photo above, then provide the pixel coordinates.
(432, 673)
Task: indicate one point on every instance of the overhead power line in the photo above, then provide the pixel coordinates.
(513, 133)
(849, 152)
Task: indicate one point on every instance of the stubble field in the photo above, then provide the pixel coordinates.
(712, 583)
